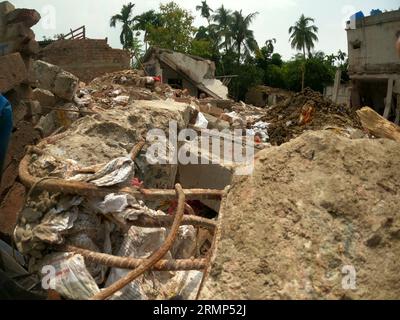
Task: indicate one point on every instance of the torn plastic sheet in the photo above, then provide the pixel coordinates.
(115, 172)
(67, 274)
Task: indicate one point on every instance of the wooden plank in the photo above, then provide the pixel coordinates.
(377, 125)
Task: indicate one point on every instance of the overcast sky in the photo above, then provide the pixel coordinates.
(274, 19)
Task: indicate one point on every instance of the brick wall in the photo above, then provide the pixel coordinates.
(86, 58)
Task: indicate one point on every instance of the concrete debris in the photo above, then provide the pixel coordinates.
(321, 199)
(50, 77)
(44, 97)
(339, 214)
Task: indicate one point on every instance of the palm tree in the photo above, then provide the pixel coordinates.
(146, 21)
(205, 10)
(242, 36)
(125, 17)
(302, 37)
(223, 20)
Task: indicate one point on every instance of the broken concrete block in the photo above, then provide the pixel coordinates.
(19, 112)
(29, 17)
(45, 97)
(12, 71)
(215, 123)
(44, 74)
(34, 108)
(20, 31)
(31, 48)
(50, 77)
(5, 8)
(66, 85)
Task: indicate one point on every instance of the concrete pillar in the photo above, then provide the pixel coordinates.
(389, 96)
(336, 86)
(397, 121)
(355, 95)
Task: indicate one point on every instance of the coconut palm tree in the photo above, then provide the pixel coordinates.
(205, 10)
(303, 35)
(223, 20)
(146, 21)
(125, 18)
(242, 36)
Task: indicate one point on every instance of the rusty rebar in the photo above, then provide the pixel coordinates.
(131, 263)
(136, 150)
(155, 257)
(91, 190)
(166, 222)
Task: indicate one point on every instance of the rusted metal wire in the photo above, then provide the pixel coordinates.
(155, 257)
(90, 190)
(131, 263)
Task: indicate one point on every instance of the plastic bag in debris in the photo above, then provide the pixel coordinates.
(138, 243)
(54, 224)
(121, 100)
(185, 284)
(66, 273)
(201, 121)
(260, 129)
(122, 206)
(115, 172)
(141, 243)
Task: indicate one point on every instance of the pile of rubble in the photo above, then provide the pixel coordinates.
(318, 219)
(307, 110)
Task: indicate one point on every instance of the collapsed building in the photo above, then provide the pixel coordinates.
(85, 199)
(182, 71)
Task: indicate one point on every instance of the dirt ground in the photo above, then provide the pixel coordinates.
(315, 210)
(306, 111)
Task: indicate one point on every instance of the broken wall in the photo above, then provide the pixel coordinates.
(86, 58)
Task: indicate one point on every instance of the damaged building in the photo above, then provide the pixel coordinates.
(85, 58)
(81, 195)
(182, 71)
(374, 66)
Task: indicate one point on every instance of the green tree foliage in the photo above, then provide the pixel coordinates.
(125, 18)
(223, 21)
(145, 21)
(319, 72)
(205, 11)
(176, 29)
(228, 40)
(243, 38)
(302, 37)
